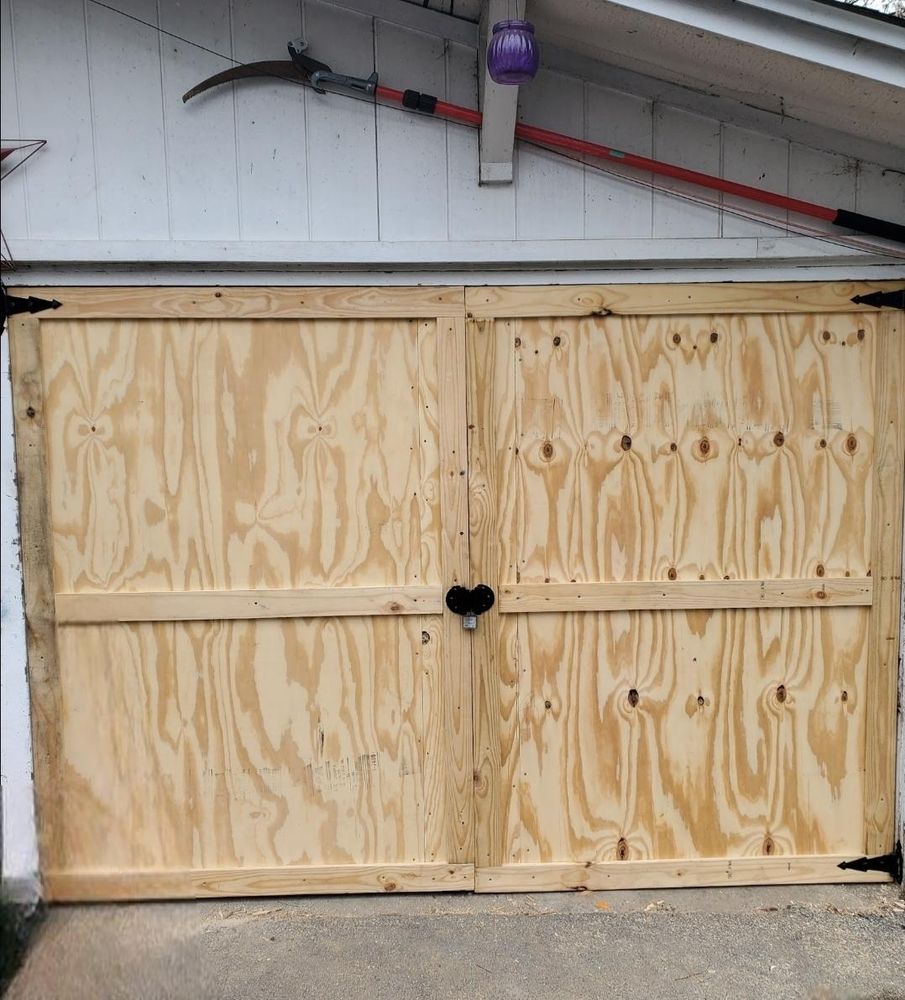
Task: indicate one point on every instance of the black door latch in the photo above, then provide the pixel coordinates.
(470, 603)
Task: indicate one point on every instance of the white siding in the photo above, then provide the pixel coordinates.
(126, 160)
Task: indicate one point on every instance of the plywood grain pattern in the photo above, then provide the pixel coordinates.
(254, 303)
(886, 553)
(209, 455)
(686, 448)
(735, 298)
(701, 734)
(244, 744)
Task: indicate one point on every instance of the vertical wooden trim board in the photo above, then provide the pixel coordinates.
(886, 565)
(37, 567)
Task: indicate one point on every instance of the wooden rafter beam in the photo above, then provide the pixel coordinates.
(499, 104)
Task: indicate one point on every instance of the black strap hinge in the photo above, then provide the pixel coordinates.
(890, 863)
(13, 305)
(894, 299)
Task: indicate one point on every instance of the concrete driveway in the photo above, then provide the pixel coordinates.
(776, 942)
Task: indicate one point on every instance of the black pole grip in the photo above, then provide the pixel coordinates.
(868, 224)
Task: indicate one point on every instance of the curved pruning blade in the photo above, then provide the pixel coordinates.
(279, 69)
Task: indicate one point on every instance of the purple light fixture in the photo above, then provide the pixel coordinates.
(513, 56)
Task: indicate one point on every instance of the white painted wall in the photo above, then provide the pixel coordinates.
(272, 181)
(267, 163)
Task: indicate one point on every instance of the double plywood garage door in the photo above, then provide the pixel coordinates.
(243, 508)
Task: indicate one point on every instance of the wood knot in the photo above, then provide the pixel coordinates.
(671, 573)
(701, 701)
(714, 336)
(769, 846)
(826, 335)
(425, 638)
(622, 849)
(822, 442)
(673, 446)
(844, 696)
(820, 595)
(820, 569)
(518, 341)
(548, 704)
(633, 697)
(547, 450)
(851, 444)
(626, 442)
(781, 693)
(390, 887)
(860, 335)
(30, 412)
(557, 341)
(677, 338)
(779, 439)
(395, 607)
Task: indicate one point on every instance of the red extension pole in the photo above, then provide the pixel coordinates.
(581, 147)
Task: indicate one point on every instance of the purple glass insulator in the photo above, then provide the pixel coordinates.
(513, 56)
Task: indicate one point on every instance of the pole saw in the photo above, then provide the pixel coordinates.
(300, 68)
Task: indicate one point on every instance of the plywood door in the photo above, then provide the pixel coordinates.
(689, 501)
(241, 509)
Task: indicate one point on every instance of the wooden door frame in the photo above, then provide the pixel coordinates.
(451, 752)
(485, 306)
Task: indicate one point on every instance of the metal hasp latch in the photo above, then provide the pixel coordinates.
(890, 863)
(894, 299)
(470, 603)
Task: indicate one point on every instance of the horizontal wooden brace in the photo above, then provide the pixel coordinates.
(774, 870)
(129, 302)
(737, 298)
(282, 880)
(225, 605)
(685, 595)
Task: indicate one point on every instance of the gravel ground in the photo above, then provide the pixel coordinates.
(826, 942)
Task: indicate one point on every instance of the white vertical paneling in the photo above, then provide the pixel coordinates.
(763, 162)
(550, 189)
(475, 212)
(54, 104)
(342, 141)
(826, 178)
(270, 126)
(15, 217)
(617, 205)
(881, 193)
(411, 149)
(692, 141)
(200, 135)
(124, 70)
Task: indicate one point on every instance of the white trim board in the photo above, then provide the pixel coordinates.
(449, 255)
(175, 274)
